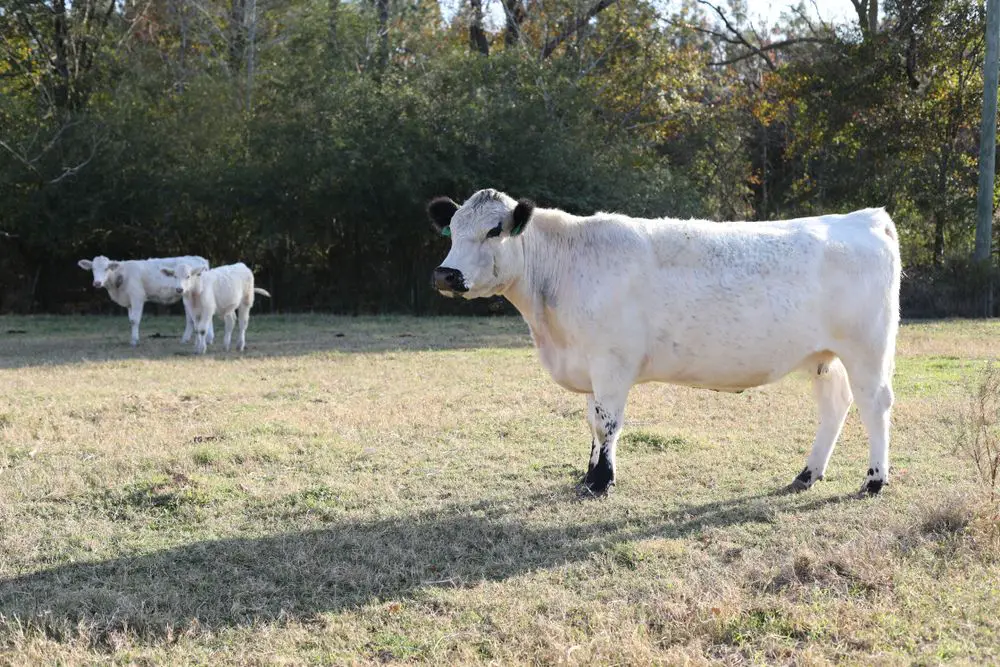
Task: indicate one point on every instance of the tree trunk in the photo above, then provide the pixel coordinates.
(60, 38)
(515, 14)
(867, 11)
(937, 251)
(477, 36)
(332, 21)
(571, 29)
(251, 50)
(237, 35)
(382, 6)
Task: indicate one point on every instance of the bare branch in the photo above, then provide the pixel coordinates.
(738, 36)
(735, 37)
(30, 27)
(573, 28)
(826, 26)
(32, 162)
(599, 60)
(72, 171)
(20, 158)
(774, 46)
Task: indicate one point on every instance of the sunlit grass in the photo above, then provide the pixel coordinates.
(401, 489)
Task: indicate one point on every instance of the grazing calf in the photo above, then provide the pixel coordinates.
(224, 290)
(133, 282)
(612, 301)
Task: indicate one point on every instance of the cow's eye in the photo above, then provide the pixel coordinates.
(493, 233)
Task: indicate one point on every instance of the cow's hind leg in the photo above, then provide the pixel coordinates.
(606, 412)
(595, 444)
(244, 317)
(230, 322)
(873, 394)
(832, 391)
(871, 381)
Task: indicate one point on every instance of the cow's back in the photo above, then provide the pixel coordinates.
(157, 287)
(229, 285)
(750, 302)
(733, 305)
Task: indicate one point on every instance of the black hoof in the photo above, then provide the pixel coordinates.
(872, 487)
(796, 487)
(802, 482)
(597, 483)
(587, 491)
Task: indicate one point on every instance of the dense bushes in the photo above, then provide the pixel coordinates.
(323, 194)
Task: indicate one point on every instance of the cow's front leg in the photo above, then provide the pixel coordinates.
(201, 327)
(605, 414)
(134, 317)
(188, 324)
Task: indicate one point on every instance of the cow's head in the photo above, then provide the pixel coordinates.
(485, 255)
(104, 270)
(186, 279)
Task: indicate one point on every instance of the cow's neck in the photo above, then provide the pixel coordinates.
(534, 295)
(115, 287)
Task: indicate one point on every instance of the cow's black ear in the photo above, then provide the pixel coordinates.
(441, 210)
(522, 213)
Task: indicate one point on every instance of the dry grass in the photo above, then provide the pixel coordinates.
(402, 490)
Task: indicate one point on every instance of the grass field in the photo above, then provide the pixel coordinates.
(380, 490)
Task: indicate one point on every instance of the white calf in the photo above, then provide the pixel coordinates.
(132, 283)
(612, 301)
(224, 290)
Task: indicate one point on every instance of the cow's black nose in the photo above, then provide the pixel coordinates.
(180, 290)
(448, 280)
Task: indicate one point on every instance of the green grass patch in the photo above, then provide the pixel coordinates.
(639, 440)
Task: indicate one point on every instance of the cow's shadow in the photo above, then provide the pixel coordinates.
(244, 581)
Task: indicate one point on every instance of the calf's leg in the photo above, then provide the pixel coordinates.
(188, 324)
(201, 329)
(230, 320)
(244, 321)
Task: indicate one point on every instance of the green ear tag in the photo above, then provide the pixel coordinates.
(446, 231)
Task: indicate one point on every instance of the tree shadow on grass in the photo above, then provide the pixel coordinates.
(243, 581)
(59, 340)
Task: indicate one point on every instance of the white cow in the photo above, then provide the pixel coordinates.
(224, 291)
(612, 301)
(132, 283)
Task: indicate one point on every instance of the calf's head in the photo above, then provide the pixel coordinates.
(104, 270)
(187, 280)
(486, 255)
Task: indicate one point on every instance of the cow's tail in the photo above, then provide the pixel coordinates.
(262, 292)
(882, 223)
